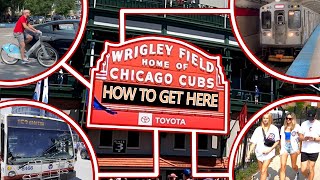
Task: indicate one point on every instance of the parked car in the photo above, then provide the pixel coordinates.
(59, 34)
(38, 19)
(30, 20)
(41, 19)
(58, 17)
(48, 18)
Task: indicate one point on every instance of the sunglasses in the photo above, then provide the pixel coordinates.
(289, 118)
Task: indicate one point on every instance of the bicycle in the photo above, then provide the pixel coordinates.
(44, 53)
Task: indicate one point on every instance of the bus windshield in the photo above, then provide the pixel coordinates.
(29, 144)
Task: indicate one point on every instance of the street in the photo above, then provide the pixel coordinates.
(83, 169)
(274, 168)
(19, 70)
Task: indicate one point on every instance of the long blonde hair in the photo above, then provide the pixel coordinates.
(293, 121)
(269, 122)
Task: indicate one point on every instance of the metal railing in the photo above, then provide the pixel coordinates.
(245, 95)
(212, 20)
(242, 152)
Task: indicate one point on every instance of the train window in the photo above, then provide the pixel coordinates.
(266, 20)
(294, 20)
(304, 18)
(280, 18)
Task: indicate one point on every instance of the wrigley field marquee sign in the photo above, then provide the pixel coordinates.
(159, 82)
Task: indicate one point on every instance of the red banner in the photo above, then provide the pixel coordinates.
(243, 116)
(160, 82)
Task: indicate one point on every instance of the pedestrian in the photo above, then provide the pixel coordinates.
(60, 77)
(310, 137)
(186, 175)
(76, 147)
(172, 176)
(290, 145)
(264, 140)
(256, 95)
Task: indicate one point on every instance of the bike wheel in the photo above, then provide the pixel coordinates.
(51, 60)
(6, 59)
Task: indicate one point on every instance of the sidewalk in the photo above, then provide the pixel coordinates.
(274, 169)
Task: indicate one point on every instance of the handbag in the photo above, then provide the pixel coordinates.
(267, 142)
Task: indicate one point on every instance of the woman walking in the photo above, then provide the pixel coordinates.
(264, 140)
(290, 145)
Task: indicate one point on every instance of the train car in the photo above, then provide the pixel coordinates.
(284, 29)
(35, 147)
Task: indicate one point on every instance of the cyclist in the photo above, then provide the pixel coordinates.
(22, 36)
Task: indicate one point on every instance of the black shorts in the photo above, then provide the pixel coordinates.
(309, 156)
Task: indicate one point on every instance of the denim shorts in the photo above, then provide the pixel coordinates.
(21, 37)
(288, 147)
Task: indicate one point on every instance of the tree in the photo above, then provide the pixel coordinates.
(64, 6)
(298, 109)
(14, 4)
(39, 7)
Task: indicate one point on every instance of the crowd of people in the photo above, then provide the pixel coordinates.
(293, 140)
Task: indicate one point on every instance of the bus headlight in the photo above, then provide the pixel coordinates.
(11, 174)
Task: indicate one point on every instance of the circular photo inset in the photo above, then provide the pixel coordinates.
(36, 144)
(283, 144)
(37, 37)
(282, 35)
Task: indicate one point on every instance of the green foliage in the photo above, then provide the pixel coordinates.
(298, 109)
(246, 174)
(14, 4)
(39, 7)
(64, 6)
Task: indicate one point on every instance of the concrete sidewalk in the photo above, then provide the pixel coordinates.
(274, 169)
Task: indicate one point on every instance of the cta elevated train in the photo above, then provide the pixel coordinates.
(285, 28)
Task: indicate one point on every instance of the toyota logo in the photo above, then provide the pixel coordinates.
(145, 119)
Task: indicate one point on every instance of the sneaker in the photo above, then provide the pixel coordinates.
(297, 176)
(269, 176)
(25, 61)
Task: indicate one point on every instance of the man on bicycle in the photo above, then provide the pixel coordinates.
(22, 36)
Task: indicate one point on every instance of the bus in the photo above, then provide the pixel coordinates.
(34, 147)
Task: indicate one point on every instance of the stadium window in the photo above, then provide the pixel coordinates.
(133, 139)
(203, 141)
(106, 138)
(179, 141)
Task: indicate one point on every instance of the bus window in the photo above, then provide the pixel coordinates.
(294, 19)
(2, 141)
(266, 20)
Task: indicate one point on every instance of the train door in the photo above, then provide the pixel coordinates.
(308, 24)
(280, 27)
(305, 27)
